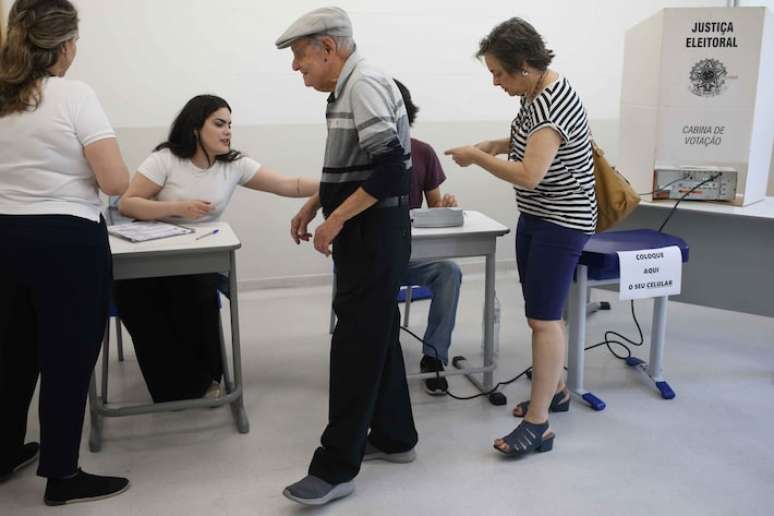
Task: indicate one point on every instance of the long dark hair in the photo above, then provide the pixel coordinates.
(411, 108)
(183, 140)
(37, 29)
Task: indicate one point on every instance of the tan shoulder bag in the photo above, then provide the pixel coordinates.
(616, 198)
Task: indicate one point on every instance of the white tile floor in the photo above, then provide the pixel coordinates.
(707, 452)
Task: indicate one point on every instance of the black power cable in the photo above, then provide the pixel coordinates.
(608, 342)
(447, 392)
(686, 194)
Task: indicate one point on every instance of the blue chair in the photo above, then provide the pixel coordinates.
(598, 265)
(406, 295)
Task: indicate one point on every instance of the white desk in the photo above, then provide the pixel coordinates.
(477, 237)
(731, 251)
(172, 257)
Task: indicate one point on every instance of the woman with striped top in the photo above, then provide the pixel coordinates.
(550, 165)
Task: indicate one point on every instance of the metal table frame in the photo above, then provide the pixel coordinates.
(186, 258)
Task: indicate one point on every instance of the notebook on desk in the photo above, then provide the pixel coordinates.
(143, 231)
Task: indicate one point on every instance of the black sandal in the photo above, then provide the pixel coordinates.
(559, 403)
(527, 437)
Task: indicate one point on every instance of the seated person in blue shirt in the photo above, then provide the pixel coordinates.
(191, 177)
(442, 278)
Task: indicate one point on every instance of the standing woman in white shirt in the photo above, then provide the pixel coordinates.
(189, 178)
(58, 150)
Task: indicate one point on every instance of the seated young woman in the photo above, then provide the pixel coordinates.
(191, 177)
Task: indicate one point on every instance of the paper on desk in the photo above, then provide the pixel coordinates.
(142, 231)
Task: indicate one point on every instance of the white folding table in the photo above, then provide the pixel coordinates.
(176, 256)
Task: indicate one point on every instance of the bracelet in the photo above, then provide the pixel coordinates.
(298, 185)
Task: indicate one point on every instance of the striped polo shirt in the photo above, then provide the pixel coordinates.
(566, 194)
(368, 144)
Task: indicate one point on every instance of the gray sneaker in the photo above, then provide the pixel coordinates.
(312, 490)
(373, 453)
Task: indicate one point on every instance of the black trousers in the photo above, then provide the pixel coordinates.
(55, 277)
(368, 386)
(173, 322)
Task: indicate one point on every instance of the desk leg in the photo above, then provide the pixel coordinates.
(489, 295)
(228, 380)
(577, 338)
(105, 360)
(95, 435)
(97, 400)
(460, 362)
(657, 340)
(237, 406)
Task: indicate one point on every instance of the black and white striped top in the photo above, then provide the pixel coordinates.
(566, 194)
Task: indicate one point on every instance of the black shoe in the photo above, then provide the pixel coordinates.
(433, 386)
(27, 455)
(83, 487)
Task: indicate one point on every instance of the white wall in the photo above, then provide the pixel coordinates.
(145, 58)
(159, 53)
(764, 3)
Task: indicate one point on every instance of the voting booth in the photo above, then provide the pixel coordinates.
(698, 103)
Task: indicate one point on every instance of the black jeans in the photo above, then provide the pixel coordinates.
(55, 277)
(173, 322)
(368, 386)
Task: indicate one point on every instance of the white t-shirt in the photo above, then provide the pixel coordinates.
(42, 166)
(181, 180)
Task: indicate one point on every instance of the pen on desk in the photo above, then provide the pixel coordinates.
(207, 234)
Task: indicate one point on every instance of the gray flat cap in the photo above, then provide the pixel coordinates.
(333, 21)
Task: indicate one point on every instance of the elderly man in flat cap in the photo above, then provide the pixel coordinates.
(364, 197)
